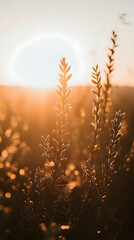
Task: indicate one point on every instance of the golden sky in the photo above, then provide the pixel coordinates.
(35, 34)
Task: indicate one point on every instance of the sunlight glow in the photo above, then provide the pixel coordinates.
(35, 63)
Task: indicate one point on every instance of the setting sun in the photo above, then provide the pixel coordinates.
(35, 62)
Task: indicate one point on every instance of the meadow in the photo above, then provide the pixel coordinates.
(67, 169)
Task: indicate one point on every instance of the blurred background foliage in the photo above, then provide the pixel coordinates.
(26, 115)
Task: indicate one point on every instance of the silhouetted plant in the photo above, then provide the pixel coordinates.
(108, 73)
(62, 109)
(94, 139)
(108, 168)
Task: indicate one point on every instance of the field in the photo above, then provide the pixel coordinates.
(67, 167)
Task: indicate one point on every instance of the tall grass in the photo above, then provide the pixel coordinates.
(60, 200)
(79, 205)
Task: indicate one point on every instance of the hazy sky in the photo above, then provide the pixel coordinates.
(35, 34)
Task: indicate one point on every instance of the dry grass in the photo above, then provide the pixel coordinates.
(82, 216)
(60, 200)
